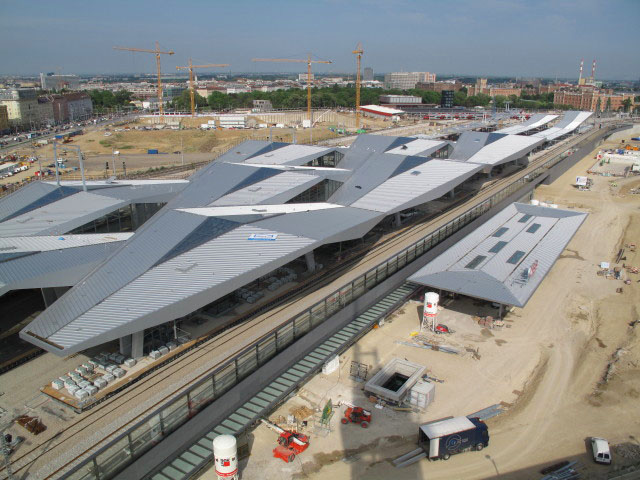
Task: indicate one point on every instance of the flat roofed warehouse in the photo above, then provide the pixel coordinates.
(505, 259)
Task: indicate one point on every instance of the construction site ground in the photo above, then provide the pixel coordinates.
(68, 434)
(566, 367)
(190, 145)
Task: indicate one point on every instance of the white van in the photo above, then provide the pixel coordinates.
(601, 452)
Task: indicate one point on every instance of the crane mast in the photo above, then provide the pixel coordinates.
(157, 52)
(358, 52)
(192, 94)
(308, 61)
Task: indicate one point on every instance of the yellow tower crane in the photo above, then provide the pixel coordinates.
(308, 61)
(192, 89)
(157, 52)
(358, 52)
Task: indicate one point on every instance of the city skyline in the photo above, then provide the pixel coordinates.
(494, 38)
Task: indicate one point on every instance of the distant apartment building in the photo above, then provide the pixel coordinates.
(302, 77)
(492, 90)
(592, 100)
(407, 80)
(4, 118)
(552, 87)
(169, 92)
(71, 107)
(23, 108)
(399, 100)
(439, 86)
(50, 81)
(446, 101)
(262, 106)
(368, 74)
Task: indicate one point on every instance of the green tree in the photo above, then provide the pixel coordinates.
(626, 103)
(460, 98)
(219, 101)
(500, 101)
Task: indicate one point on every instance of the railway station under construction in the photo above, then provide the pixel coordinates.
(262, 224)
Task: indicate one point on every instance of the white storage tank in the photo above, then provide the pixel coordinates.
(225, 453)
(431, 300)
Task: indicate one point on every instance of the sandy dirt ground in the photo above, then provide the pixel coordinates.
(132, 145)
(566, 366)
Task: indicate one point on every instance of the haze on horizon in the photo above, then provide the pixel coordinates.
(525, 38)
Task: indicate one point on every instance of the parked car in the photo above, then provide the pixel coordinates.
(601, 452)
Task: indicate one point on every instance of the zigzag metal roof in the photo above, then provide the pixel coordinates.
(201, 245)
(535, 121)
(43, 208)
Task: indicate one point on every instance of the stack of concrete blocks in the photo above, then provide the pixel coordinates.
(331, 365)
(130, 362)
(57, 384)
(155, 354)
(172, 346)
(119, 372)
(100, 383)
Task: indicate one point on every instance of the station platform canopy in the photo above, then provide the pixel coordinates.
(491, 149)
(505, 259)
(569, 122)
(536, 121)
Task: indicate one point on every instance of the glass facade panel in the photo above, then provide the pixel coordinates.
(85, 472)
(381, 273)
(346, 296)
(146, 435)
(333, 303)
(225, 378)
(285, 336)
(392, 265)
(175, 414)
(402, 260)
(201, 395)
(266, 349)
(317, 314)
(247, 363)
(114, 458)
(370, 280)
(302, 324)
(358, 287)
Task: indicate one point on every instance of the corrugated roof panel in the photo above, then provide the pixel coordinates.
(61, 216)
(498, 278)
(424, 182)
(292, 183)
(57, 242)
(290, 155)
(511, 147)
(535, 121)
(177, 281)
(55, 268)
(418, 147)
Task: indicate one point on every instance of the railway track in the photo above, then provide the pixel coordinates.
(226, 342)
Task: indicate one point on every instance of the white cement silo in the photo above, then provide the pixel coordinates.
(431, 300)
(225, 454)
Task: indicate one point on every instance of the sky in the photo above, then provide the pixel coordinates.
(522, 38)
